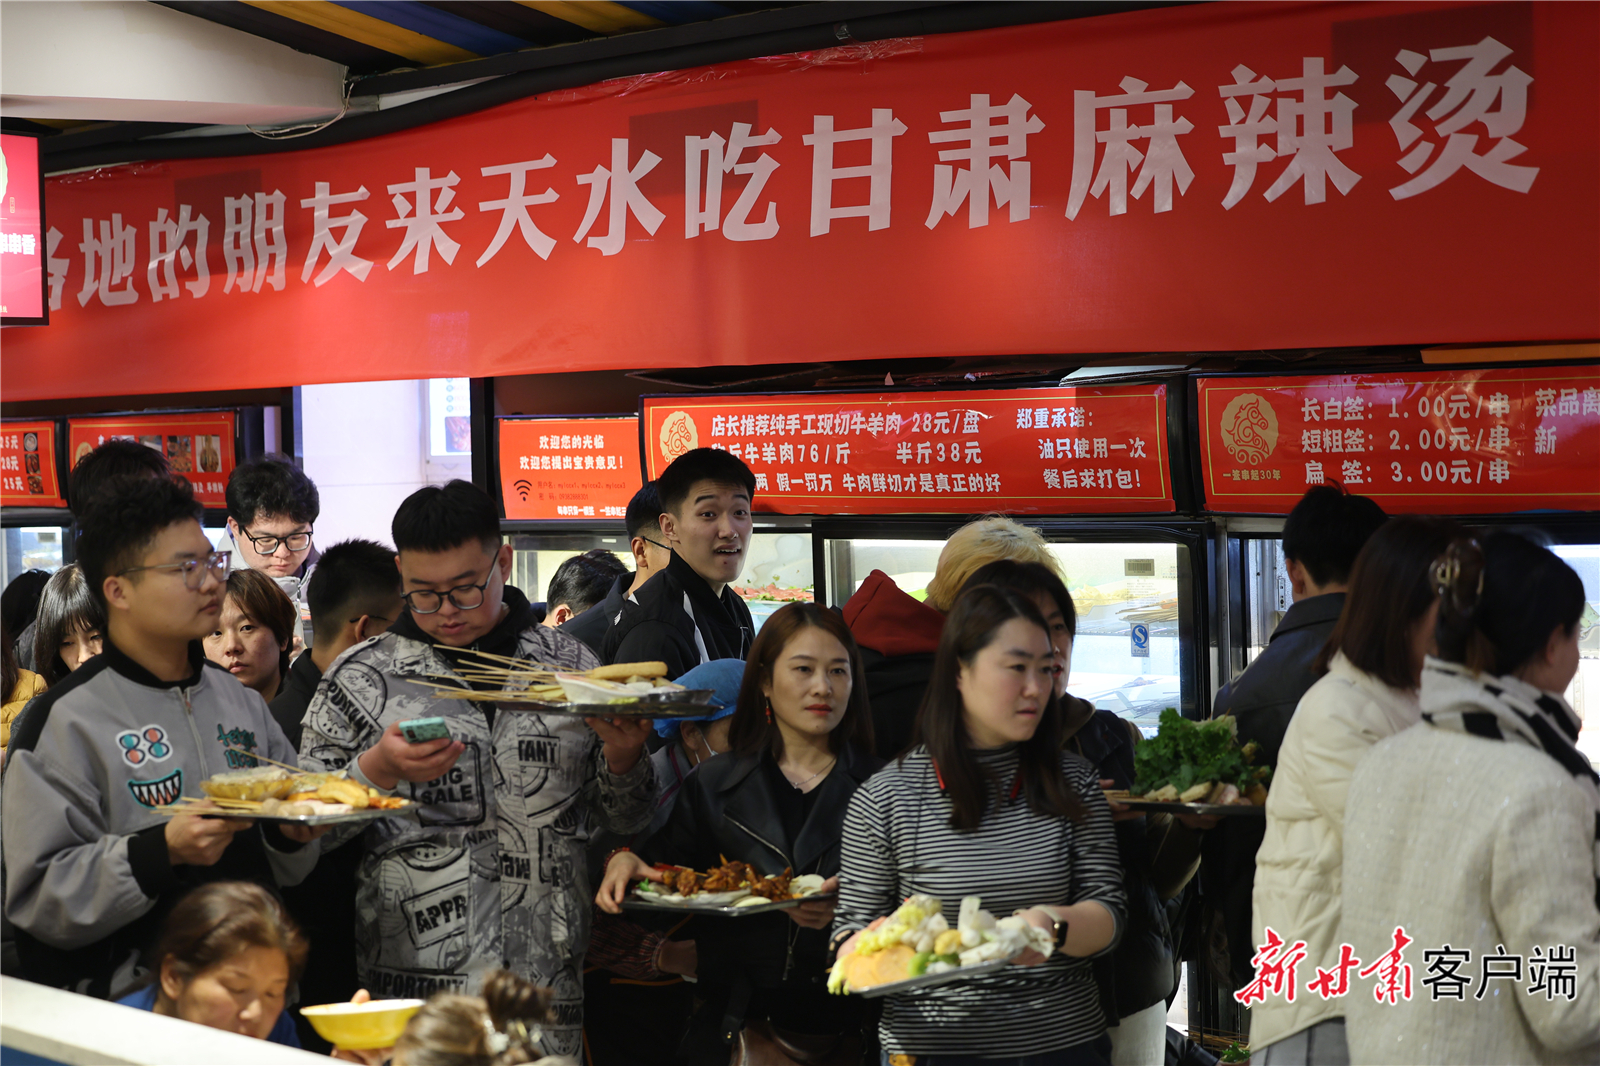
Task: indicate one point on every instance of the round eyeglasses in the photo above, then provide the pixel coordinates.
(193, 570)
(464, 597)
(268, 545)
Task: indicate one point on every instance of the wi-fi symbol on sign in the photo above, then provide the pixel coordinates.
(523, 488)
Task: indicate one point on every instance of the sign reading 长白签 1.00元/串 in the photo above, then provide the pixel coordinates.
(1026, 451)
(1430, 442)
(1196, 178)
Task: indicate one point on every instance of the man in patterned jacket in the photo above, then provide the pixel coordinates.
(491, 872)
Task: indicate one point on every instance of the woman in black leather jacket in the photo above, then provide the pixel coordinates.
(801, 743)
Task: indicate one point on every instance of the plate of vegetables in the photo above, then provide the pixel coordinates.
(917, 949)
(1197, 767)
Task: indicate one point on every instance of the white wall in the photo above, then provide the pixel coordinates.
(118, 59)
(362, 443)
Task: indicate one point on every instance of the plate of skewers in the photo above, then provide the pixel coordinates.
(734, 890)
(621, 690)
(280, 793)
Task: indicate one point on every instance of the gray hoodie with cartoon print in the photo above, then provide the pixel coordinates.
(88, 877)
(491, 872)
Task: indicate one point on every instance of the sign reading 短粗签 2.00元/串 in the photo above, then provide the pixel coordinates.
(1023, 451)
(1206, 177)
(1429, 442)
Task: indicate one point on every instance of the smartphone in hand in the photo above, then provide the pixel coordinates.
(422, 730)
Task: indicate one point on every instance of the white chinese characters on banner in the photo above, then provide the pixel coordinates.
(57, 267)
(1161, 165)
(974, 184)
(169, 244)
(514, 208)
(1309, 131)
(704, 211)
(880, 167)
(341, 253)
(623, 186)
(423, 218)
(1124, 145)
(1469, 94)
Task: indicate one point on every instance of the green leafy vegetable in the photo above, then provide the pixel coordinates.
(1184, 754)
(1235, 1052)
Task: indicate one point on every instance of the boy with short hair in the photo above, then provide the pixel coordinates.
(580, 583)
(687, 615)
(354, 594)
(92, 865)
(491, 873)
(650, 557)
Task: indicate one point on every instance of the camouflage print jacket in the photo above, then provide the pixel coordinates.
(491, 872)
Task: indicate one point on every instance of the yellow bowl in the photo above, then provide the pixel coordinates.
(362, 1026)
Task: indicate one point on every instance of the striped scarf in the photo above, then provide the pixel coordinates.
(1507, 709)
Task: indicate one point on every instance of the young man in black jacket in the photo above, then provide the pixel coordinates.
(687, 615)
(650, 556)
(1321, 538)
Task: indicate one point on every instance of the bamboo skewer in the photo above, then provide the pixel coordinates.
(271, 762)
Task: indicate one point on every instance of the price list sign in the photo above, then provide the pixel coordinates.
(1026, 451)
(28, 474)
(199, 445)
(569, 468)
(1425, 442)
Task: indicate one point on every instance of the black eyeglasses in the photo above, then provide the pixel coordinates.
(657, 543)
(193, 570)
(464, 597)
(297, 542)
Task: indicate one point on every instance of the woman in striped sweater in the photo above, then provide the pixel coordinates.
(987, 804)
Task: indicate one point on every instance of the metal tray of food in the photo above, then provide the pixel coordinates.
(370, 814)
(671, 703)
(1174, 807)
(638, 901)
(934, 980)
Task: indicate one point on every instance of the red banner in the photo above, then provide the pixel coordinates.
(22, 242)
(1441, 442)
(1202, 177)
(569, 468)
(28, 474)
(1026, 451)
(198, 444)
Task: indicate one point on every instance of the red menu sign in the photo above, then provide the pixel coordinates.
(1027, 451)
(566, 468)
(28, 474)
(1429, 442)
(22, 237)
(197, 444)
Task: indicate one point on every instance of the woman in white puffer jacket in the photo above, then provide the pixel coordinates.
(1374, 662)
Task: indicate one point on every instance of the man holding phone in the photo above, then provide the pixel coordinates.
(492, 872)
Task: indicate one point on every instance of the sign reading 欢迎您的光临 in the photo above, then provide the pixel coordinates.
(569, 468)
(1432, 442)
(28, 473)
(199, 445)
(1027, 451)
(1201, 177)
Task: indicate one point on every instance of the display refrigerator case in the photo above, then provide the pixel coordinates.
(1137, 587)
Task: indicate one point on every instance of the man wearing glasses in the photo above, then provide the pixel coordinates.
(491, 873)
(92, 860)
(272, 506)
(650, 556)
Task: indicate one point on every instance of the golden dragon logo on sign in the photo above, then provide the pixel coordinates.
(678, 435)
(1249, 428)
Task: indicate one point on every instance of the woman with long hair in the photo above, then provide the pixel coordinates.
(986, 803)
(70, 626)
(1480, 828)
(226, 958)
(801, 744)
(1374, 665)
(254, 632)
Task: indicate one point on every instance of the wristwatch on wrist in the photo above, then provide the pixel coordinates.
(1058, 935)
